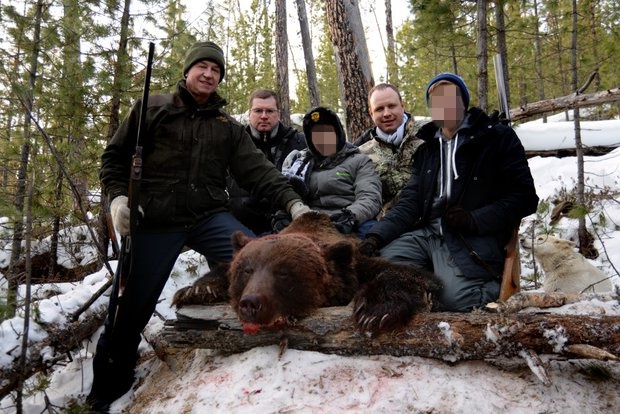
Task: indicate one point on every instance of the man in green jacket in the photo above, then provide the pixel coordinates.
(190, 147)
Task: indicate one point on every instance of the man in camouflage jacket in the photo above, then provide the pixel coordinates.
(391, 143)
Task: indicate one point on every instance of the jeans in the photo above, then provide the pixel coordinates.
(425, 249)
(152, 258)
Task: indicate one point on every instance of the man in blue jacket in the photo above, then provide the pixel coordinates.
(470, 187)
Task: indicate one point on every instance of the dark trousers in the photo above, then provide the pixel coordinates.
(425, 249)
(152, 258)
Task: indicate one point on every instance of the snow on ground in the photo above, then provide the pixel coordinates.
(258, 381)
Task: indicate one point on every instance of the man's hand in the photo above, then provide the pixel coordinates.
(460, 220)
(119, 208)
(369, 246)
(296, 208)
(345, 221)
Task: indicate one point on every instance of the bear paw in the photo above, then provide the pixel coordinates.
(389, 301)
(211, 288)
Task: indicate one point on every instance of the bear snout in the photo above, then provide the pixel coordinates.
(254, 308)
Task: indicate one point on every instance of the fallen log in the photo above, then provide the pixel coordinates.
(563, 103)
(445, 336)
(61, 339)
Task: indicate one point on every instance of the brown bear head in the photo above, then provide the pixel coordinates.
(280, 277)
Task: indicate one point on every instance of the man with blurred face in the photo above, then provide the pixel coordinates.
(391, 143)
(276, 141)
(446, 107)
(332, 176)
(470, 187)
(324, 139)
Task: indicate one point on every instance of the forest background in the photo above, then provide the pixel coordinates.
(70, 70)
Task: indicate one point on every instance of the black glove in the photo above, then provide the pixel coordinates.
(345, 221)
(369, 246)
(279, 221)
(460, 220)
(299, 186)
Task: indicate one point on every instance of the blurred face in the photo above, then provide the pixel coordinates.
(386, 110)
(446, 107)
(325, 139)
(202, 80)
(264, 114)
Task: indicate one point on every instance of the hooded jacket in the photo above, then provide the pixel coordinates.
(346, 179)
(188, 152)
(494, 184)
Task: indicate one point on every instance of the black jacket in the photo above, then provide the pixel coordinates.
(254, 212)
(189, 150)
(495, 185)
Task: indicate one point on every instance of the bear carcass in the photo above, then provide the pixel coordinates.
(277, 278)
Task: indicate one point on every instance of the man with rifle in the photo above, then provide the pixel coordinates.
(470, 186)
(189, 147)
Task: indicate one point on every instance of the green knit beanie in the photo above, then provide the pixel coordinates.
(204, 51)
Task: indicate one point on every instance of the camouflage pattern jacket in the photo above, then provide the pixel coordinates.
(393, 164)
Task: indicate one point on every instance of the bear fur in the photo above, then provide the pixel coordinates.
(565, 269)
(278, 278)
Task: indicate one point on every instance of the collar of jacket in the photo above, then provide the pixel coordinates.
(281, 136)
(373, 130)
(474, 125)
(215, 102)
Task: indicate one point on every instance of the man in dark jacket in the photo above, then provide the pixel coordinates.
(470, 186)
(276, 141)
(190, 146)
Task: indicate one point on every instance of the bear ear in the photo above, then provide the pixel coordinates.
(341, 252)
(239, 240)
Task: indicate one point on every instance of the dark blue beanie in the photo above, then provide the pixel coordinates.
(452, 78)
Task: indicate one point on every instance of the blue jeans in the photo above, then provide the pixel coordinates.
(363, 228)
(425, 249)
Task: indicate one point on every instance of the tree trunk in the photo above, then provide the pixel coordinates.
(282, 62)
(22, 372)
(390, 56)
(313, 83)
(482, 58)
(585, 240)
(120, 68)
(355, 85)
(22, 173)
(442, 335)
(538, 58)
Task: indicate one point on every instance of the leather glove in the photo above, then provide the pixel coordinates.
(345, 221)
(460, 220)
(279, 221)
(296, 208)
(369, 246)
(119, 209)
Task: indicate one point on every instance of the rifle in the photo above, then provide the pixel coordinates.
(511, 275)
(135, 176)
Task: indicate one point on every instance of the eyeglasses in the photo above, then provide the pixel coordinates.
(258, 111)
